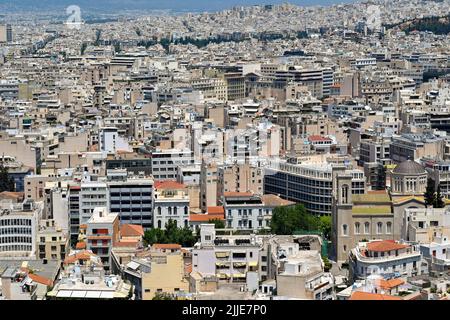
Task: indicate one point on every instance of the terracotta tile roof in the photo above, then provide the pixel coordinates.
(188, 268)
(167, 246)
(131, 230)
(389, 284)
(82, 255)
(205, 217)
(385, 245)
(216, 210)
(83, 226)
(125, 244)
(169, 184)
(39, 279)
(80, 245)
(360, 295)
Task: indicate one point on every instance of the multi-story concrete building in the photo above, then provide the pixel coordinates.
(244, 210)
(93, 194)
(52, 242)
(384, 257)
(309, 184)
(18, 229)
(132, 199)
(165, 163)
(171, 203)
(102, 232)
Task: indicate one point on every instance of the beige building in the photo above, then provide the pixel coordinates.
(208, 186)
(52, 243)
(239, 178)
(368, 216)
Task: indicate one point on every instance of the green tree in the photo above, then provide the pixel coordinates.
(439, 199)
(6, 182)
(219, 224)
(430, 193)
(163, 296)
(325, 226)
(171, 234)
(287, 219)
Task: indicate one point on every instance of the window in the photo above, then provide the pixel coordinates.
(379, 227)
(389, 227)
(344, 195)
(344, 230)
(366, 227)
(357, 228)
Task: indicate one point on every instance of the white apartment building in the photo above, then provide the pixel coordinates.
(244, 210)
(18, 229)
(232, 259)
(171, 203)
(165, 163)
(384, 257)
(93, 194)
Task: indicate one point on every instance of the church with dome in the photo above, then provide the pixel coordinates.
(408, 178)
(376, 214)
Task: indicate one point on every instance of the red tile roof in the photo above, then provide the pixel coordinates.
(80, 245)
(205, 217)
(385, 245)
(216, 210)
(169, 184)
(40, 279)
(389, 284)
(131, 230)
(360, 295)
(167, 246)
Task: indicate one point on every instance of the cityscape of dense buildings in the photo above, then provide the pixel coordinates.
(266, 152)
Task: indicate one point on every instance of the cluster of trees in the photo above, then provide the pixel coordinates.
(203, 42)
(433, 196)
(6, 182)
(437, 25)
(171, 234)
(287, 220)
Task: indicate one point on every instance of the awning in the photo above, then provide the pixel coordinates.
(239, 264)
(222, 264)
(239, 275)
(222, 254)
(253, 264)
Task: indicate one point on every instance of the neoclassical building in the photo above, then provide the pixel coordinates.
(374, 215)
(408, 178)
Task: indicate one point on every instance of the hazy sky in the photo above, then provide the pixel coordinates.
(194, 5)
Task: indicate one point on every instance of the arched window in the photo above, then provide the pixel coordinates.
(389, 227)
(344, 230)
(379, 227)
(175, 210)
(186, 210)
(159, 223)
(357, 228)
(344, 195)
(170, 210)
(367, 228)
(186, 223)
(159, 211)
